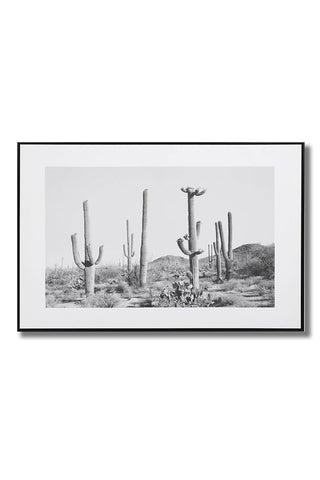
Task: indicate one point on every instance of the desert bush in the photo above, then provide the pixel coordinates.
(179, 295)
(101, 300)
(77, 283)
(50, 300)
(133, 278)
(233, 284)
(206, 301)
(111, 272)
(260, 265)
(232, 300)
(124, 289)
(266, 290)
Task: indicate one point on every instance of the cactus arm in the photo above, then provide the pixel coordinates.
(75, 251)
(215, 248)
(132, 251)
(230, 252)
(209, 252)
(198, 228)
(124, 250)
(89, 254)
(200, 191)
(197, 252)
(100, 255)
(223, 246)
(182, 247)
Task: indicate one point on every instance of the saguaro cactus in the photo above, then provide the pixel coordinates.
(89, 263)
(227, 255)
(143, 248)
(217, 251)
(129, 253)
(193, 234)
(210, 254)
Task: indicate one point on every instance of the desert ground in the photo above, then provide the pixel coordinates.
(169, 283)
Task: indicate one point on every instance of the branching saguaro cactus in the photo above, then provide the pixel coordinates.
(143, 248)
(227, 255)
(217, 251)
(89, 263)
(129, 253)
(193, 234)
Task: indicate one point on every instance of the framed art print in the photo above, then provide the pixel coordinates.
(160, 236)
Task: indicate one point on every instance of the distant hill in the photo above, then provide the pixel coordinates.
(242, 255)
(170, 261)
(246, 253)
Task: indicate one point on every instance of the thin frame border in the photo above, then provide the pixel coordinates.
(302, 279)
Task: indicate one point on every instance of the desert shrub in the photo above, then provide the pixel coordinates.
(77, 283)
(249, 282)
(123, 288)
(179, 295)
(101, 300)
(267, 264)
(266, 290)
(230, 285)
(155, 275)
(206, 301)
(235, 301)
(104, 274)
(133, 278)
(50, 300)
(260, 265)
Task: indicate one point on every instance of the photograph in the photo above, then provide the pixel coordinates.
(161, 236)
(152, 237)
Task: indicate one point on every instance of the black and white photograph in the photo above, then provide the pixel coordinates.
(152, 237)
(161, 236)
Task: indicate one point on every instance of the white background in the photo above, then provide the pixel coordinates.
(145, 406)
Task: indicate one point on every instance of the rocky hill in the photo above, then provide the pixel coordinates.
(173, 261)
(242, 256)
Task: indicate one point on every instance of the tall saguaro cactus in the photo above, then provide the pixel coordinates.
(227, 255)
(143, 248)
(89, 263)
(193, 234)
(217, 251)
(129, 253)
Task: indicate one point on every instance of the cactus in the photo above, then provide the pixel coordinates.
(143, 248)
(217, 251)
(193, 234)
(227, 255)
(129, 254)
(89, 264)
(210, 254)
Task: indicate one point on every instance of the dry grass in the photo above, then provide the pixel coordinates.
(66, 288)
(102, 300)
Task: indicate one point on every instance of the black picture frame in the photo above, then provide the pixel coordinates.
(182, 330)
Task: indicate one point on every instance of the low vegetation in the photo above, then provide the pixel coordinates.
(169, 284)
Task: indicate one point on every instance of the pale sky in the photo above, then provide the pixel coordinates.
(115, 194)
